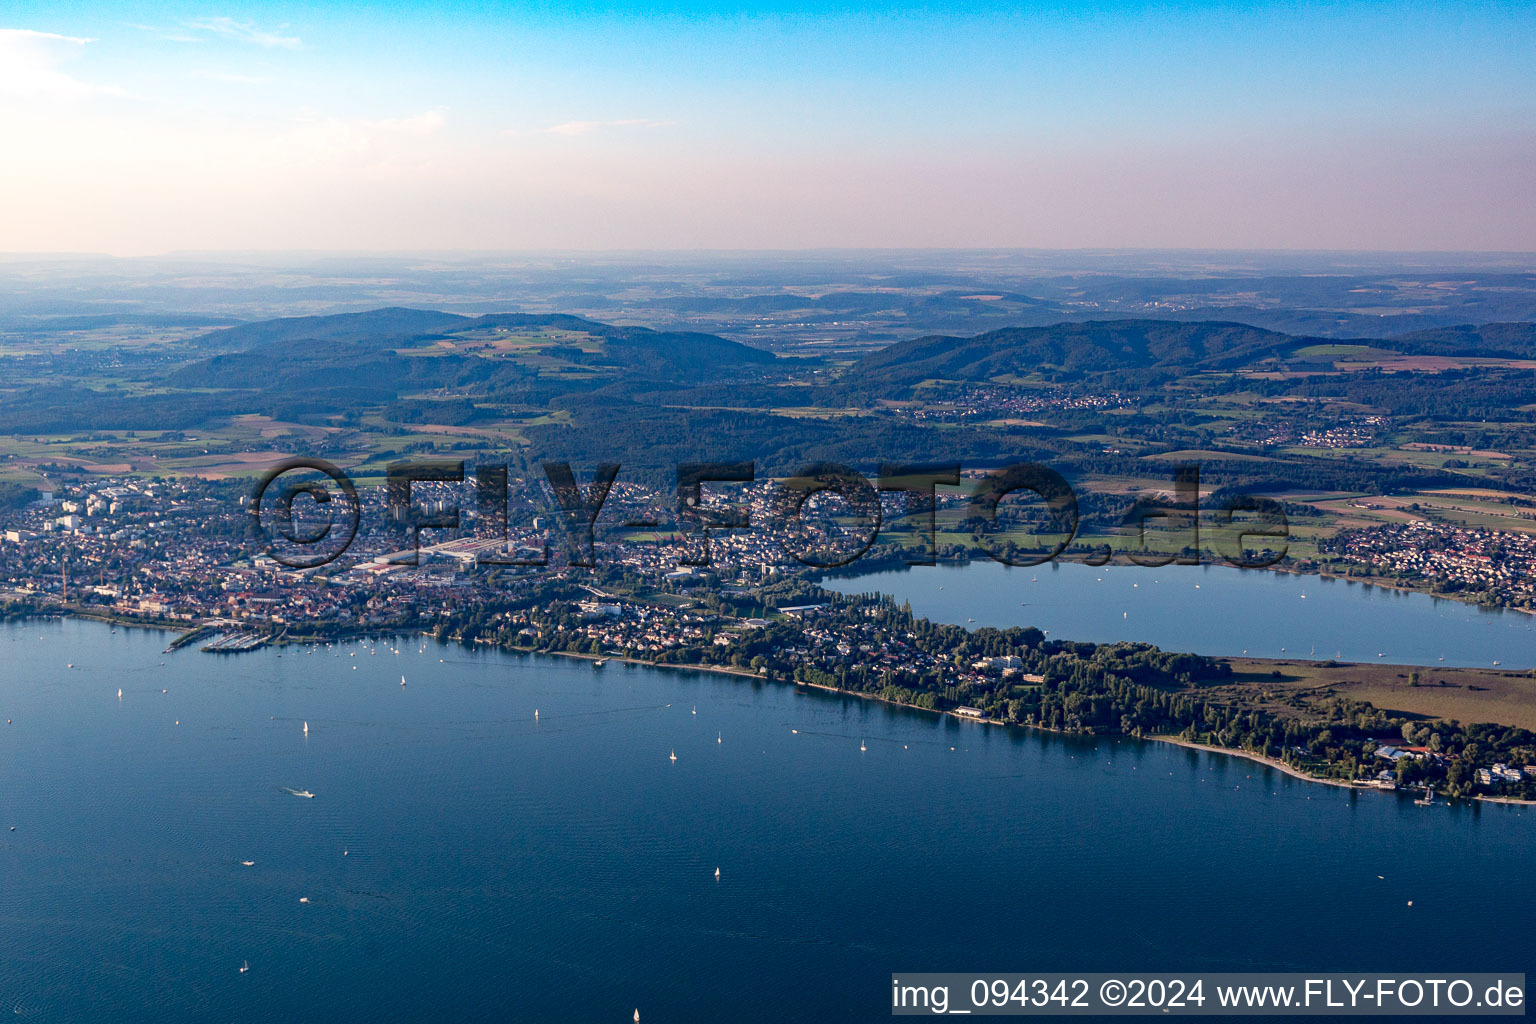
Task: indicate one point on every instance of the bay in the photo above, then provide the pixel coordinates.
(1214, 610)
(464, 860)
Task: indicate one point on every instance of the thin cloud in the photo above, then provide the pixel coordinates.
(426, 123)
(244, 31)
(169, 35)
(368, 139)
(230, 77)
(29, 66)
(588, 127)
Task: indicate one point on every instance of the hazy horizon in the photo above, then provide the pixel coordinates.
(137, 129)
(1057, 259)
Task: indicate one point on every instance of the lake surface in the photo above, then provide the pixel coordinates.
(1214, 610)
(464, 861)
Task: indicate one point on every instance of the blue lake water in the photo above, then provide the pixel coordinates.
(1213, 610)
(465, 861)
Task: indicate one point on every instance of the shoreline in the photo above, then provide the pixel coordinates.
(822, 580)
(1122, 562)
(1268, 762)
(1371, 581)
(1280, 766)
(1297, 773)
(748, 674)
(1247, 755)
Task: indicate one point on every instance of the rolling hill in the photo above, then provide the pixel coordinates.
(423, 349)
(1070, 349)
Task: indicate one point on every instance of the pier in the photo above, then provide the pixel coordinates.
(235, 643)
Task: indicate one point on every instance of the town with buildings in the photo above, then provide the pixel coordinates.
(984, 404)
(181, 553)
(1492, 567)
(1273, 432)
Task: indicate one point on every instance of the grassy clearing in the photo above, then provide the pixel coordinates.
(1464, 694)
(1205, 454)
(1332, 351)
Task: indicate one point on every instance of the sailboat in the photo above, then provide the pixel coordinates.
(245, 965)
(674, 755)
(402, 681)
(717, 874)
(719, 737)
(695, 710)
(862, 747)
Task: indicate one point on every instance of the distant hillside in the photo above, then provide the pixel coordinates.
(387, 351)
(102, 321)
(393, 325)
(635, 348)
(1070, 348)
(1502, 341)
(847, 302)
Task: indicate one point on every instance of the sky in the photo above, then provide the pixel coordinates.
(144, 128)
